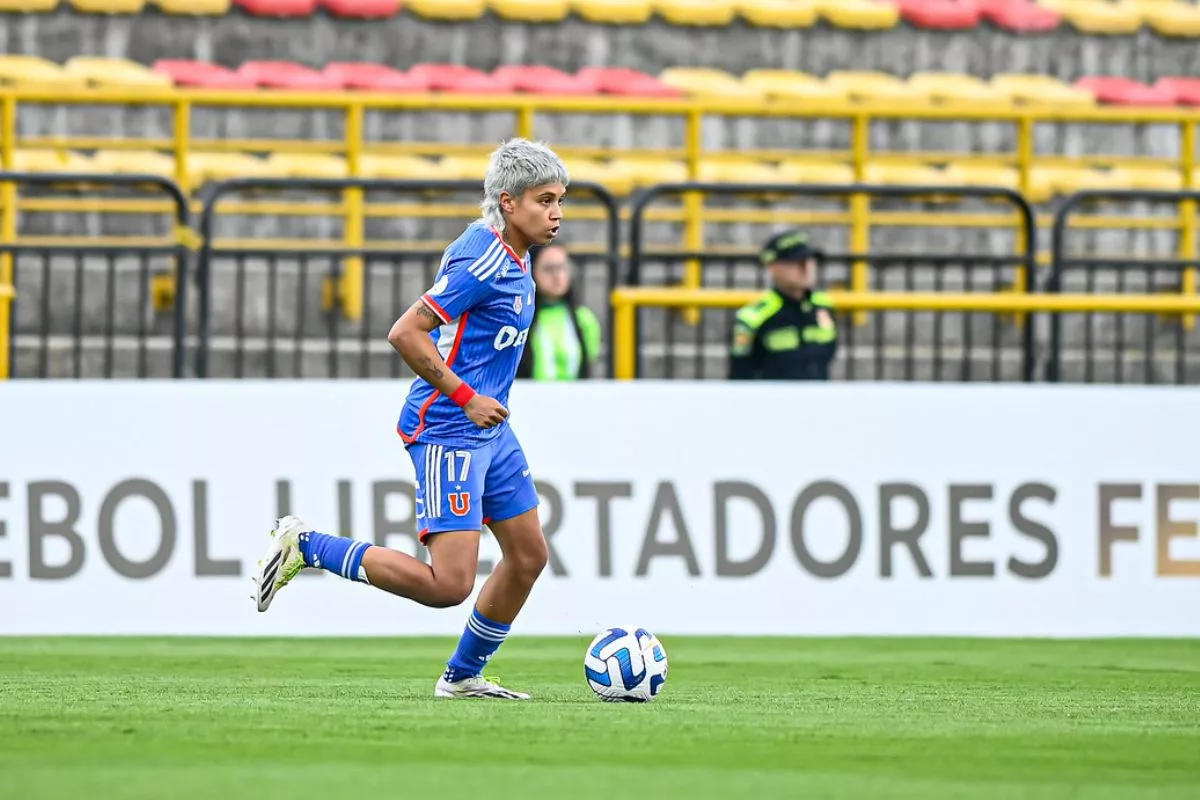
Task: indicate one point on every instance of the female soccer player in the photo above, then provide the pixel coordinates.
(463, 338)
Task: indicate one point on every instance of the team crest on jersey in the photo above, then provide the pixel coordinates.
(517, 304)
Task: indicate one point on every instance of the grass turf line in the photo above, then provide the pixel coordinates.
(928, 718)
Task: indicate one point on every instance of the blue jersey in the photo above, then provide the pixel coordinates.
(483, 294)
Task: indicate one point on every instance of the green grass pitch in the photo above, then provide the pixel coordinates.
(752, 718)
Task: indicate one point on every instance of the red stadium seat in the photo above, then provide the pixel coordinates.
(361, 9)
(456, 78)
(1185, 90)
(374, 77)
(1125, 92)
(288, 75)
(1019, 16)
(942, 15)
(202, 74)
(278, 8)
(543, 80)
(627, 82)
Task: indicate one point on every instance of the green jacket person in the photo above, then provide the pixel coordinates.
(564, 340)
(789, 333)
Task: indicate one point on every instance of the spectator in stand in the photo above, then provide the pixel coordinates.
(564, 340)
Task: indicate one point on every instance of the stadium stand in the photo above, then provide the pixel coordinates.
(1174, 18)
(634, 94)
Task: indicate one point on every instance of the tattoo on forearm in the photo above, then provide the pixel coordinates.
(430, 368)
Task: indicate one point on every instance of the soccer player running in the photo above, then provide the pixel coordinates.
(463, 338)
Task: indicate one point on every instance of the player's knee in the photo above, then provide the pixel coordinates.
(530, 559)
(454, 590)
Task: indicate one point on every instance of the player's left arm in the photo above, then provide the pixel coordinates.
(457, 291)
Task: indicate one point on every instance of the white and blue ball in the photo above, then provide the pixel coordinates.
(626, 665)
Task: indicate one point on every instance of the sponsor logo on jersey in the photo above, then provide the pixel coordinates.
(508, 336)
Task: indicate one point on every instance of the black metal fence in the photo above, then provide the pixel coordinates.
(87, 310)
(277, 313)
(887, 345)
(1119, 347)
(122, 310)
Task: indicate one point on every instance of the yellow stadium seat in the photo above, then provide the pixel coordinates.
(127, 162)
(614, 12)
(1098, 16)
(1050, 181)
(889, 173)
(307, 165)
(109, 6)
(193, 8)
(447, 9)
(801, 171)
(1040, 90)
(869, 87)
(401, 168)
(858, 14)
(38, 161)
(711, 13)
(702, 82)
(27, 6)
(51, 161)
(788, 85)
(1170, 18)
(1149, 177)
(465, 168)
(966, 174)
(203, 167)
(34, 71)
(778, 13)
(530, 10)
(739, 171)
(115, 72)
(611, 175)
(956, 88)
(649, 171)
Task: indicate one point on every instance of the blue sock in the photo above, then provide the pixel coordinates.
(337, 554)
(481, 638)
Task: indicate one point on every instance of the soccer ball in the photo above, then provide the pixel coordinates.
(626, 665)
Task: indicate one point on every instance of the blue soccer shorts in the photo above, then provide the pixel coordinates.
(464, 488)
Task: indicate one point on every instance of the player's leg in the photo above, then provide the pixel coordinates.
(510, 502)
(447, 581)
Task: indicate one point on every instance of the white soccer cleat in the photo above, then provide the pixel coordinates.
(282, 563)
(477, 686)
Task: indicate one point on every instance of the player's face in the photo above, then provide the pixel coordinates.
(537, 214)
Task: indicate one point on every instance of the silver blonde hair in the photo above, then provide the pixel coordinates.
(517, 166)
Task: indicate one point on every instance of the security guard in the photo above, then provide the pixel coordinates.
(788, 334)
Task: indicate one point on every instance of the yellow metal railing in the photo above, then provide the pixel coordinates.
(6, 298)
(693, 113)
(627, 300)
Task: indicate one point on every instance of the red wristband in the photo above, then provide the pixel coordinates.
(462, 395)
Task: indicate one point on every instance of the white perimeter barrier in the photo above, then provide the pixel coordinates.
(706, 508)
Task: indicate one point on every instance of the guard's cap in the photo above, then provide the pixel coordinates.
(788, 246)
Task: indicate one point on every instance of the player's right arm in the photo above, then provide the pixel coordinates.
(457, 291)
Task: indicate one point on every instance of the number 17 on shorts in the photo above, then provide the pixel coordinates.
(461, 489)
